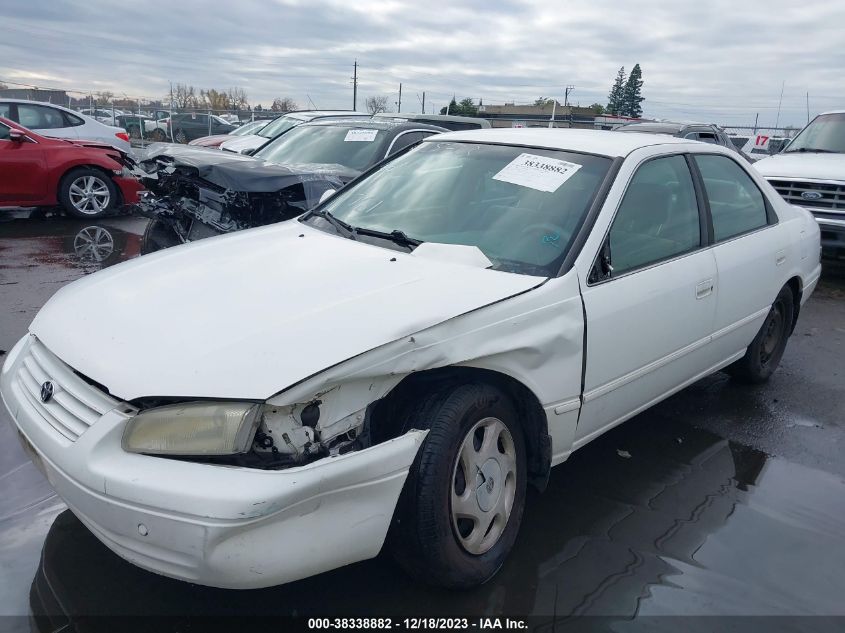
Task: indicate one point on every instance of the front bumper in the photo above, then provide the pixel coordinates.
(213, 525)
(832, 227)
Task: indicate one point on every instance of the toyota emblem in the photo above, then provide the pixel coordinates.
(46, 391)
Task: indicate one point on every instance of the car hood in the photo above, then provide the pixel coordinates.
(803, 165)
(240, 143)
(238, 172)
(249, 314)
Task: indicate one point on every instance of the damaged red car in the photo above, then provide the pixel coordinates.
(86, 178)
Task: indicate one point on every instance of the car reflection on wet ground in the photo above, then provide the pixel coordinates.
(723, 500)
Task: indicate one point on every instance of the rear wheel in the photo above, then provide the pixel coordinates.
(88, 193)
(180, 136)
(461, 508)
(158, 135)
(763, 355)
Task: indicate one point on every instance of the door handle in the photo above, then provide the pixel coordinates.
(704, 288)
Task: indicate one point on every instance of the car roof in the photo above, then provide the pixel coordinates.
(416, 116)
(307, 115)
(601, 142)
(375, 124)
(44, 103)
(833, 112)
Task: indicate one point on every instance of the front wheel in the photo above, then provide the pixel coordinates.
(88, 193)
(461, 508)
(763, 355)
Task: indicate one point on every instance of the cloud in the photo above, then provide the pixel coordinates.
(717, 61)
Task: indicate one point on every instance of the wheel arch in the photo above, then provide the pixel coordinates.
(387, 417)
(797, 286)
(86, 165)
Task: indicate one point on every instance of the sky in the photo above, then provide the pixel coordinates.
(718, 61)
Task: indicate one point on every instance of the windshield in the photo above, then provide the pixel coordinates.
(248, 128)
(282, 124)
(355, 148)
(521, 207)
(826, 133)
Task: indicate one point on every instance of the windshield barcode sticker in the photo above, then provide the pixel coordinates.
(537, 172)
(361, 135)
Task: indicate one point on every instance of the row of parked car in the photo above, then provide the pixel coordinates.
(444, 316)
(806, 178)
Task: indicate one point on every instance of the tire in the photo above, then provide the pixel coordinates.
(134, 132)
(433, 537)
(88, 193)
(763, 355)
(180, 136)
(158, 135)
(157, 236)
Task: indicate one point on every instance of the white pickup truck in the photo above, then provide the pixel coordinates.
(810, 172)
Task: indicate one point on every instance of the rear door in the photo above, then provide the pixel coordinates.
(650, 297)
(750, 250)
(22, 177)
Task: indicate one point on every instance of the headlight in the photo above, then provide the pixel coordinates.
(194, 428)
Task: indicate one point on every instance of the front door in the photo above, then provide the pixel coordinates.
(651, 299)
(22, 177)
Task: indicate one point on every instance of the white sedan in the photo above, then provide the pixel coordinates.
(56, 121)
(399, 364)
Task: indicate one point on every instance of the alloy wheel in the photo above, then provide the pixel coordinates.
(94, 244)
(89, 195)
(483, 485)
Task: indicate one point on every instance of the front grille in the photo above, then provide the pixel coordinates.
(832, 194)
(74, 406)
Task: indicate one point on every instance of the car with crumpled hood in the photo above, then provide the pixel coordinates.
(395, 367)
(197, 192)
(252, 142)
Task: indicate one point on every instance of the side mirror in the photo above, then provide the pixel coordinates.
(328, 193)
(16, 136)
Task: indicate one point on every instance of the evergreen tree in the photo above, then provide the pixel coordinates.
(614, 99)
(451, 108)
(631, 95)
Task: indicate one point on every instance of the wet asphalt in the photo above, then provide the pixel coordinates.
(723, 500)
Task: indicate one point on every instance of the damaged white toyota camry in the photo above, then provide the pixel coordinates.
(396, 366)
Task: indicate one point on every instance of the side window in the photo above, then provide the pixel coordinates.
(708, 137)
(403, 141)
(658, 218)
(38, 117)
(4, 132)
(736, 204)
(6, 110)
(71, 120)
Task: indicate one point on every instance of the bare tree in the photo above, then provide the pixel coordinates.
(3, 86)
(104, 97)
(184, 96)
(376, 104)
(283, 104)
(237, 99)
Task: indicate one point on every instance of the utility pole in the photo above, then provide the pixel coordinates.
(355, 86)
(777, 120)
(423, 104)
(399, 105)
(756, 116)
(808, 107)
(566, 95)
